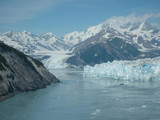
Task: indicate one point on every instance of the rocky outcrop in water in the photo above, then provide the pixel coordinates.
(19, 72)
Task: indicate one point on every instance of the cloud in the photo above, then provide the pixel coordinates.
(157, 15)
(132, 18)
(17, 10)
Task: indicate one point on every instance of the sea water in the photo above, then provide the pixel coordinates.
(78, 98)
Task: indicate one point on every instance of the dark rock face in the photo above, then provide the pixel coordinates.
(19, 72)
(109, 50)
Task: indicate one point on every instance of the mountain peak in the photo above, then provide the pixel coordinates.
(48, 35)
(9, 32)
(25, 32)
(148, 26)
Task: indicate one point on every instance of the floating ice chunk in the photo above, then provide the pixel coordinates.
(140, 70)
(96, 112)
(143, 106)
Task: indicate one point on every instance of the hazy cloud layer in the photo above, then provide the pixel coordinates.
(16, 10)
(132, 18)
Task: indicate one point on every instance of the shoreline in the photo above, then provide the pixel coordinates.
(2, 98)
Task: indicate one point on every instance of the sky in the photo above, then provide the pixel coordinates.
(64, 16)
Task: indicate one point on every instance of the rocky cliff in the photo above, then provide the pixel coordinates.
(19, 72)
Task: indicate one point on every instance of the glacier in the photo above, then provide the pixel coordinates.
(139, 70)
(57, 59)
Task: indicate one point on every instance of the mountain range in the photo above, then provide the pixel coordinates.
(141, 36)
(145, 36)
(28, 43)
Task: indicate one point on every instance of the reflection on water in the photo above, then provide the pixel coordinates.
(78, 98)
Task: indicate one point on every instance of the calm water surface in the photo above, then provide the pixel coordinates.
(78, 98)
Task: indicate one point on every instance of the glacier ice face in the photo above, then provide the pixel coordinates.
(139, 70)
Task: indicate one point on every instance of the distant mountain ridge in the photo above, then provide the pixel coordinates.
(142, 40)
(32, 44)
(143, 35)
(133, 31)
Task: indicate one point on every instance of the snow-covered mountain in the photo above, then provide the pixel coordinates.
(132, 31)
(32, 44)
(77, 37)
(144, 35)
(118, 38)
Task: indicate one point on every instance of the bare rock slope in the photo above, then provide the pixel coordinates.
(19, 72)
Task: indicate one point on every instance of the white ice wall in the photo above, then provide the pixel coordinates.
(140, 70)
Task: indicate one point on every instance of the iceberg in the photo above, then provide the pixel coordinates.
(138, 70)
